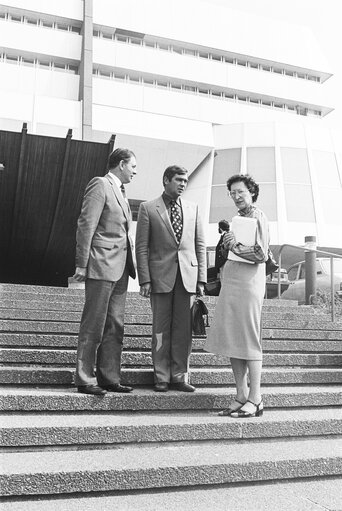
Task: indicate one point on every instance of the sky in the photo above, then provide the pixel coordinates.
(324, 18)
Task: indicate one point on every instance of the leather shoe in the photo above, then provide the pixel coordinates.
(183, 387)
(91, 389)
(116, 387)
(161, 387)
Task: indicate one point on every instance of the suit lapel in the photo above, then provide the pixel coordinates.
(121, 200)
(164, 214)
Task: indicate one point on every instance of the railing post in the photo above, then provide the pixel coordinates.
(332, 290)
(310, 268)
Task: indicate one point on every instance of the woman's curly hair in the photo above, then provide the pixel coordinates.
(249, 182)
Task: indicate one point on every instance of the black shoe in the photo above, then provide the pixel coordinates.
(241, 414)
(116, 387)
(183, 387)
(228, 411)
(91, 389)
(161, 387)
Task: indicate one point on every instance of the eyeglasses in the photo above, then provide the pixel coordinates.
(234, 193)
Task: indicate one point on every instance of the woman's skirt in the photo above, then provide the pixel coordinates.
(236, 327)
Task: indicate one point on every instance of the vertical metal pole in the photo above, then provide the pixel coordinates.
(332, 289)
(279, 285)
(310, 268)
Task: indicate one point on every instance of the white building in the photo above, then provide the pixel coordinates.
(212, 89)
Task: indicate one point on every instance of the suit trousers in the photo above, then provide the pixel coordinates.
(171, 333)
(101, 332)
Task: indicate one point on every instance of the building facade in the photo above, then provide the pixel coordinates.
(213, 89)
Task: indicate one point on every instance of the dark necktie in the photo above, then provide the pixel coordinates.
(123, 191)
(176, 220)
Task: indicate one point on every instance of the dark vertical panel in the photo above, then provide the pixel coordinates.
(43, 184)
(9, 155)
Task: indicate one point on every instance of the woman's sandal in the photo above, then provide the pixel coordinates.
(228, 411)
(259, 410)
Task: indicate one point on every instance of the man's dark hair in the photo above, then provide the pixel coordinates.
(117, 155)
(224, 225)
(172, 171)
(249, 182)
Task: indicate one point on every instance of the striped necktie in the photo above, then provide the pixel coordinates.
(176, 220)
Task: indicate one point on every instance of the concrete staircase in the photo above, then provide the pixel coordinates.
(63, 450)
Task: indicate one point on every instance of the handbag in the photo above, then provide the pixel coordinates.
(271, 264)
(198, 310)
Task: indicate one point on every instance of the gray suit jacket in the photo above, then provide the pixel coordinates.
(103, 241)
(158, 253)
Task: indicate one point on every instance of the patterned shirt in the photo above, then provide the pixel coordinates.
(257, 253)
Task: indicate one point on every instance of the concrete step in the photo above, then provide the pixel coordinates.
(68, 400)
(71, 327)
(135, 308)
(315, 494)
(29, 430)
(144, 359)
(309, 343)
(40, 375)
(136, 468)
(134, 316)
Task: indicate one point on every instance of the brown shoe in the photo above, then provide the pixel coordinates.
(116, 387)
(95, 390)
(182, 387)
(161, 387)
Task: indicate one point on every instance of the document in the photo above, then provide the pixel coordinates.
(244, 229)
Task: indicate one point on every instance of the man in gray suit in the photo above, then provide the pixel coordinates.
(104, 260)
(171, 263)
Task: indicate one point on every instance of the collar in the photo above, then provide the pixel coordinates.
(115, 180)
(167, 200)
(247, 211)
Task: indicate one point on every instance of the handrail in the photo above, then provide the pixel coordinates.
(331, 255)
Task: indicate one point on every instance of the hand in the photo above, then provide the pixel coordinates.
(80, 274)
(145, 289)
(200, 289)
(228, 240)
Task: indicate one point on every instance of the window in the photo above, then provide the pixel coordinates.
(216, 94)
(121, 38)
(17, 19)
(277, 70)
(205, 92)
(62, 26)
(47, 24)
(229, 96)
(96, 33)
(136, 41)
(150, 44)
(31, 21)
(189, 88)
(134, 79)
(164, 47)
(177, 49)
(162, 83)
(266, 68)
(107, 35)
(229, 60)
(218, 58)
(11, 59)
(120, 76)
(289, 73)
(242, 98)
(253, 65)
(72, 69)
(176, 86)
(203, 55)
(188, 51)
(77, 30)
(242, 63)
(148, 81)
(58, 67)
(254, 101)
(28, 62)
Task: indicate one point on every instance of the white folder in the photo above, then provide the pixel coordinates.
(244, 229)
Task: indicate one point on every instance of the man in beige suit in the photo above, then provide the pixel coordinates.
(171, 263)
(104, 260)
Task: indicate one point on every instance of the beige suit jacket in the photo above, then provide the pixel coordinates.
(103, 241)
(158, 254)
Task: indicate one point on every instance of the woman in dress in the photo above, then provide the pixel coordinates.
(236, 328)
